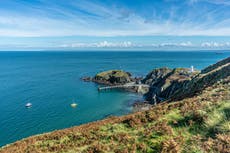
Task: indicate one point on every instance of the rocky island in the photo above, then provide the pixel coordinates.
(118, 79)
(111, 77)
(191, 114)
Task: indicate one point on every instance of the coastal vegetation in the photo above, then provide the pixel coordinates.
(114, 77)
(191, 115)
(111, 77)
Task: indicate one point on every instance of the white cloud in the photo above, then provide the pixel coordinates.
(169, 44)
(111, 44)
(103, 44)
(118, 45)
(186, 44)
(128, 44)
(215, 44)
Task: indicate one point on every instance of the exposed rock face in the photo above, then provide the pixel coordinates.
(164, 82)
(156, 75)
(210, 75)
(175, 84)
(87, 79)
(167, 84)
(113, 77)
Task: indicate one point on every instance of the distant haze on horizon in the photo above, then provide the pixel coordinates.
(114, 25)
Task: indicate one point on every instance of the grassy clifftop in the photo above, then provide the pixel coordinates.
(196, 123)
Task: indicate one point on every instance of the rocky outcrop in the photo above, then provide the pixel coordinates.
(164, 82)
(156, 75)
(175, 84)
(209, 76)
(87, 79)
(113, 77)
(120, 79)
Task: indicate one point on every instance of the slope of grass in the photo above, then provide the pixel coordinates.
(115, 73)
(197, 124)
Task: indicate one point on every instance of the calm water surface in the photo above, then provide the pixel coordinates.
(51, 82)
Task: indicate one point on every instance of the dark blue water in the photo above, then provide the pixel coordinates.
(51, 82)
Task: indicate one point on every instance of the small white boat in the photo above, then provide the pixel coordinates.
(28, 105)
(73, 105)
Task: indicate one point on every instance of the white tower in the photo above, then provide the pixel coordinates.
(192, 69)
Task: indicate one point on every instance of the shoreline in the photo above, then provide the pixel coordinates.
(137, 105)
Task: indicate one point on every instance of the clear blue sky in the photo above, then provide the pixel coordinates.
(117, 24)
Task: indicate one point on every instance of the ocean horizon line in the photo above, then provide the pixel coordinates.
(103, 50)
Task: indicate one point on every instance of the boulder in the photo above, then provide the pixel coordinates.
(87, 79)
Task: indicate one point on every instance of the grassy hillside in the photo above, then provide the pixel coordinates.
(197, 124)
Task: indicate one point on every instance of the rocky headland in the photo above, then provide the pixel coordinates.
(165, 84)
(157, 86)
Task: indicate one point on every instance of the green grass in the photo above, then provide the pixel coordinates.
(116, 73)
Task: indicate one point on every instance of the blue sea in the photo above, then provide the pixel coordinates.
(51, 82)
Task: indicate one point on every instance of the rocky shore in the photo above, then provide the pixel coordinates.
(112, 77)
(117, 78)
(164, 84)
